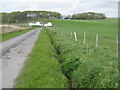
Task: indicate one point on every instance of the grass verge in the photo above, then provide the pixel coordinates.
(42, 69)
(7, 36)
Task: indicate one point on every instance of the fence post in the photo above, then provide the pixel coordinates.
(84, 38)
(16, 22)
(96, 40)
(8, 21)
(75, 36)
(117, 47)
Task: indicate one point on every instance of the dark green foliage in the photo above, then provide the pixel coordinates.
(89, 15)
(20, 17)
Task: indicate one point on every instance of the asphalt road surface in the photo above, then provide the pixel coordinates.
(14, 53)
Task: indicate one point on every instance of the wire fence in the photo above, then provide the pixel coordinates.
(97, 39)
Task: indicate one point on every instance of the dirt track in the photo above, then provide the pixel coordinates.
(14, 56)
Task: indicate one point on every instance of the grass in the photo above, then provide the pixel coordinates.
(86, 66)
(7, 36)
(41, 69)
(107, 30)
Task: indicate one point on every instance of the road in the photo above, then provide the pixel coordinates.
(14, 53)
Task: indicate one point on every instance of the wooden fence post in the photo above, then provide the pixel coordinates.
(16, 22)
(96, 40)
(75, 36)
(84, 38)
(117, 47)
(8, 21)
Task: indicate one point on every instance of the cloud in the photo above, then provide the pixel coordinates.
(58, 0)
(110, 9)
(65, 7)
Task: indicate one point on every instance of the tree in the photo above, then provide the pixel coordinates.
(89, 16)
(29, 15)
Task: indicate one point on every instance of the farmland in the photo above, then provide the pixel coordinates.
(84, 66)
(107, 30)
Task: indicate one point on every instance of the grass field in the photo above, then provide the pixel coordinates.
(84, 66)
(107, 30)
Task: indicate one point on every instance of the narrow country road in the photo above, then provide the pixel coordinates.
(14, 53)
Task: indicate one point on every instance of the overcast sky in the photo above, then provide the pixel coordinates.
(65, 7)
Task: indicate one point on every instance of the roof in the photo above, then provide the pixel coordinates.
(45, 22)
(32, 22)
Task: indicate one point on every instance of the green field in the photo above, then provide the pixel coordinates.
(57, 55)
(86, 66)
(107, 30)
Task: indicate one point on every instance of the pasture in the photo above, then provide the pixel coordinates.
(87, 66)
(107, 30)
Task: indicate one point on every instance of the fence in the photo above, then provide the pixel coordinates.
(75, 37)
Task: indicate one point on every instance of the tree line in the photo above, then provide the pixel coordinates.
(20, 17)
(15, 17)
(87, 16)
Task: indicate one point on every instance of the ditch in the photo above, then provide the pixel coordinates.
(76, 63)
(66, 67)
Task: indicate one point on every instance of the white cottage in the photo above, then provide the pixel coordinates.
(35, 23)
(46, 24)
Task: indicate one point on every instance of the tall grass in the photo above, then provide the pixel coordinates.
(41, 69)
(86, 66)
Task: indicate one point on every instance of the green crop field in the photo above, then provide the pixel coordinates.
(84, 66)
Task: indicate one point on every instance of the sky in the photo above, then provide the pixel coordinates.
(65, 7)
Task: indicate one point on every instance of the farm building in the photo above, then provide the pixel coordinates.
(46, 24)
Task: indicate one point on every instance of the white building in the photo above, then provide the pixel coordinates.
(46, 24)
